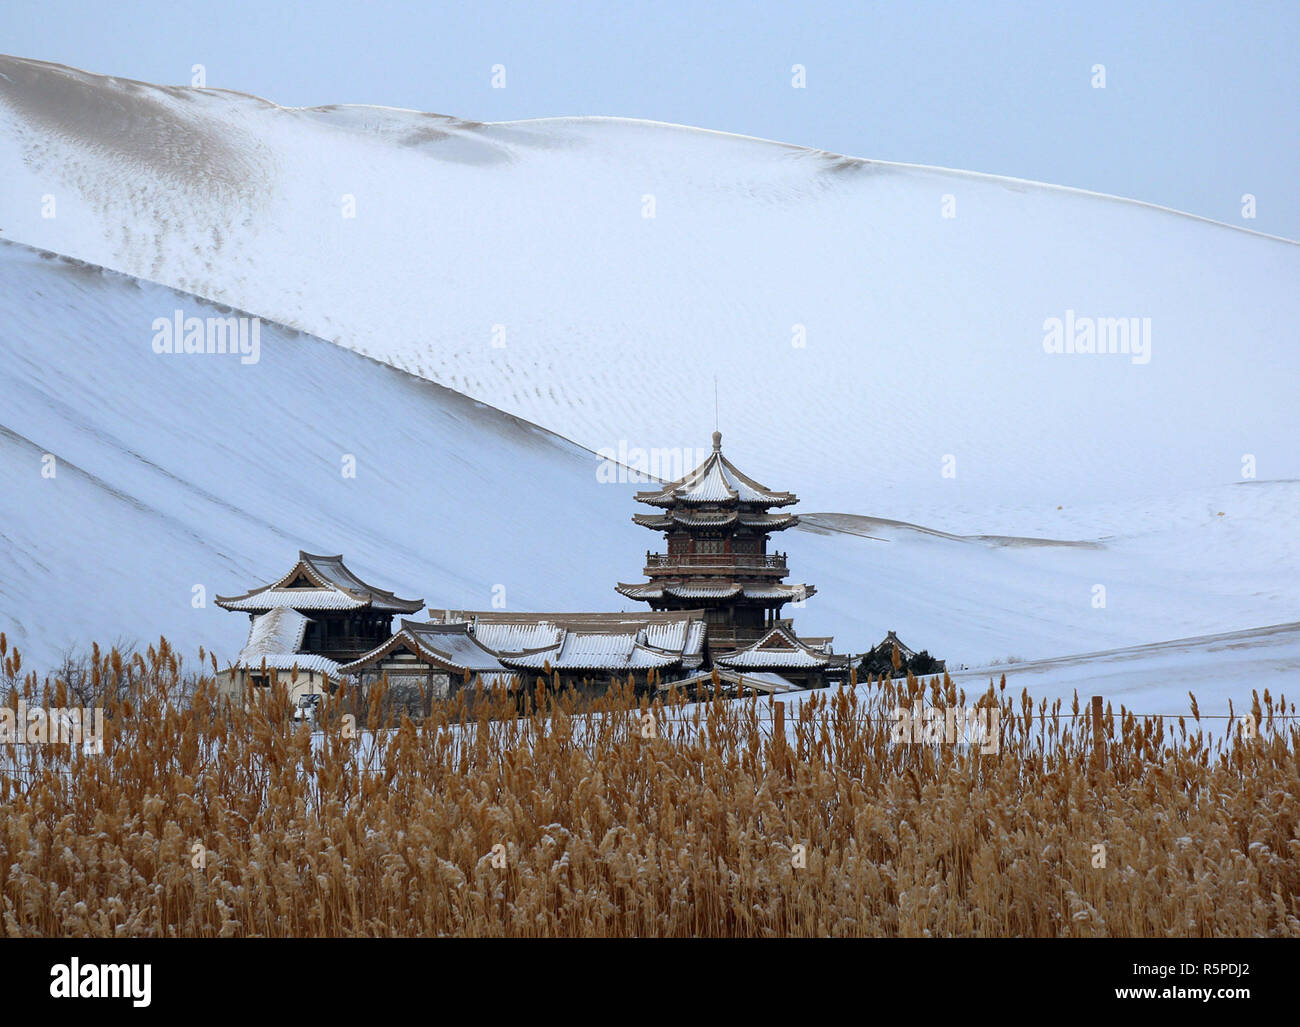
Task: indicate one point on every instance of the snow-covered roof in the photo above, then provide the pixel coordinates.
(787, 658)
(694, 591)
(692, 518)
(768, 521)
(454, 646)
(690, 590)
(449, 647)
(684, 634)
(647, 590)
(279, 631)
(483, 641)
(319, 583)
(717, 480)
(779, 591)
(505, 637)
(760, 681)
(274, 639)
(596, 651)
(548, 623)
(778, 648)
(293, 599)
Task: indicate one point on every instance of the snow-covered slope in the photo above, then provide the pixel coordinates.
(172, 471)
(1196, 563)
(924, 333)
(923, 340)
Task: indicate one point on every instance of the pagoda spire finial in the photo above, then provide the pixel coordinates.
(717, 442)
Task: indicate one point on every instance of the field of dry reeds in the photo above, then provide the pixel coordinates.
(205, 819)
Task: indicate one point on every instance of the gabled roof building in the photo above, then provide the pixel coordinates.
(345, 616)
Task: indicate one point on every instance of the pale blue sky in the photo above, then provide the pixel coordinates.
(1200, 104)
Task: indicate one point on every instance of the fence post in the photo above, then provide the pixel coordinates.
(778, 732)
(1098, 735)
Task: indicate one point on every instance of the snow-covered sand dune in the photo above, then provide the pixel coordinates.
(180, 470)
(513, 264)
(1156, 679)
(516, 263)
(175, 471)
(1195, 563)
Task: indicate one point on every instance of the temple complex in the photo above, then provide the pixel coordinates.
(715, 597)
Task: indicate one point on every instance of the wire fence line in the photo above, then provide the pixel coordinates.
(21, 762)
(793, 716)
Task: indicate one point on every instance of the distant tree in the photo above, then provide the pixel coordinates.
(924, 663)
(887, 660)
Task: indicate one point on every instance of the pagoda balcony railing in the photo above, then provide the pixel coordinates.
(747, 561)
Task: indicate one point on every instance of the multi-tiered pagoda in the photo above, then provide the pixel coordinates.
(717, 523)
